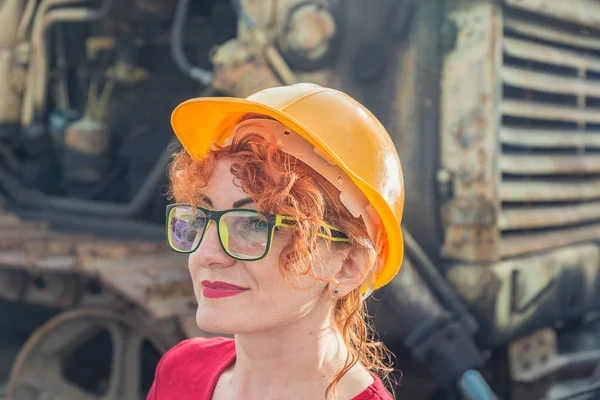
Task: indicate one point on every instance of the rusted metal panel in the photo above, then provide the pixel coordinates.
(526, 242)
(12, 259)
(53, 289)
(13, 284)
(469, 121)
(548, 216)
(522, 170)
(56, 245)
(584, 12)
(512, 294)
(8, 221)
(117, 250)
(536, 273)
(550, 55)
(550, 112)
(534, 164)
(64, 271)
(550, 33)
(535, 80)
(13, 238)
(159, 284)
(57, 263)
(528, 191)
(545, 138)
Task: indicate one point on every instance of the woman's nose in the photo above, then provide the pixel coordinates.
(210, 253)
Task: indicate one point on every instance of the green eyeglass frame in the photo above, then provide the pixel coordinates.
(216, 216)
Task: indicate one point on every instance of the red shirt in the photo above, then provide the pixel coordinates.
(191, 369)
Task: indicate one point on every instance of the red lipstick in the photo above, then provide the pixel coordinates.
(217, 289)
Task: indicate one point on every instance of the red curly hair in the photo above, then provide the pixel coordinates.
(281, 184)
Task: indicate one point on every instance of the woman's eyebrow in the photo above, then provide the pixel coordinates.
(242, 202)
(206, 200)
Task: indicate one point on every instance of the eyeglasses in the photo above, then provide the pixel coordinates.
(245, 234)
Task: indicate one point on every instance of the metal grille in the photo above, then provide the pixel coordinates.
(549, 135)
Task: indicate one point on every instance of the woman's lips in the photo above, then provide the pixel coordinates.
(217, 289)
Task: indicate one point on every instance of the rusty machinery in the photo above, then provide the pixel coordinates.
(493, 106)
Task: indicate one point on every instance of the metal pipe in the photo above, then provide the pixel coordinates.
(36, 84)
(53, 17)
(196, 73)
(434, 280)
(44, 6)
(29, 198)
(32, 72)
(26, 19)
(275, 59)
(474, 387)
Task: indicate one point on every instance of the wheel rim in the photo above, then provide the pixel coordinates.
(53, 363)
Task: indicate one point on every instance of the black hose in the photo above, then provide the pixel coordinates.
(196, 73)
(435, 281)
(29, 198)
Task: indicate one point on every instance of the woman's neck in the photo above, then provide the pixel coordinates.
(296, 361)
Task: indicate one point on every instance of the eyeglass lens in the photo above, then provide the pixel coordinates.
(243, 234)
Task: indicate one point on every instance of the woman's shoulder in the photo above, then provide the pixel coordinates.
(376, 391)
(193, 364)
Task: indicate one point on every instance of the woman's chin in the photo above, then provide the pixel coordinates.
(212, 322)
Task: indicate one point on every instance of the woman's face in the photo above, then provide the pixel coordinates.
(266, 301)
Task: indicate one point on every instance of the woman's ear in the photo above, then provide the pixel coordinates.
(355, 267)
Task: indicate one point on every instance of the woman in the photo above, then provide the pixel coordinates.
(289, 205)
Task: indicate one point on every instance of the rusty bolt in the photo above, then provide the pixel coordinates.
(443, 176)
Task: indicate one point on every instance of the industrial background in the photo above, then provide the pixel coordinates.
(494, 106)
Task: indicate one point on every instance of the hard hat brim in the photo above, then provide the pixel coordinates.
(200, 122)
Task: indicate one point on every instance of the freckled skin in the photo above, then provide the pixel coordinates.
(270, 302)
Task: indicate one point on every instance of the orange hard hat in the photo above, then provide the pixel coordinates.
(340, 130)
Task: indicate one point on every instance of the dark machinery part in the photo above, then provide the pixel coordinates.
(198, 74)
(433, 325)
(85, 154)
(32, 199)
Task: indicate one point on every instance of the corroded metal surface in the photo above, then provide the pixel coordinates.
(584, 12)
(512, 295)
(132, 289)
(70, 271)
(520, 129)
(468, 141)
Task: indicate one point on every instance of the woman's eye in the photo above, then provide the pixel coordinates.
(258, 224)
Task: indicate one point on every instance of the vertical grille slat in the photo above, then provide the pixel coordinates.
(549, 138)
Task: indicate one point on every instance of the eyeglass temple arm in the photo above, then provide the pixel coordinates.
(288, 222)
